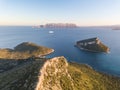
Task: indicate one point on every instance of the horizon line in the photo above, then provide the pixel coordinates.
(70, 23)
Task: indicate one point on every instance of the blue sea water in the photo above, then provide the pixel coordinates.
(63, 41)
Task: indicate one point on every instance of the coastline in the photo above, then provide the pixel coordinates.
(48, 53)
(90, 50)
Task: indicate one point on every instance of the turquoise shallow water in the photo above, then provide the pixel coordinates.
(63, 41)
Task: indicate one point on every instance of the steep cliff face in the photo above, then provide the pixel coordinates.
(56, 74)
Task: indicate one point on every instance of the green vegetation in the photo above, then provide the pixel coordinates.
(23, 77)
(85, 78)
(56, 74)
(25, 50)
(97, 48)
(77, 77)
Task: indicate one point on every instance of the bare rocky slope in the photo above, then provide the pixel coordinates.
(56, 74)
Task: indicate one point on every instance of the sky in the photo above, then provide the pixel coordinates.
(80, 12)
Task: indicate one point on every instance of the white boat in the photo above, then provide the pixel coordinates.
(51, 32)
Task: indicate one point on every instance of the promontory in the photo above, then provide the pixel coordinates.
(24, 51)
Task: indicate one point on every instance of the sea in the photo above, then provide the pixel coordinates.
(62, 40)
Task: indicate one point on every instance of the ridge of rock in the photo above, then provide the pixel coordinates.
(53, 69)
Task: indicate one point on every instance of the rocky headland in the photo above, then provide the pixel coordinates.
(24, 51)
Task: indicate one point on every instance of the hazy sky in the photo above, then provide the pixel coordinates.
(81, 12)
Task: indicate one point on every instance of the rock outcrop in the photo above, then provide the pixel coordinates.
(24, 51)
(93, 45)
(51, 74)
(56, 74)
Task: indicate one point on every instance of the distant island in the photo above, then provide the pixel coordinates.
(57, 25)
(116, 28)
(113, 27)
(93, 45)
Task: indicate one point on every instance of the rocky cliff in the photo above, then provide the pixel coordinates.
(56, 74)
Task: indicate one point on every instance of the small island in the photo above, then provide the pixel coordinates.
(93, 45)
